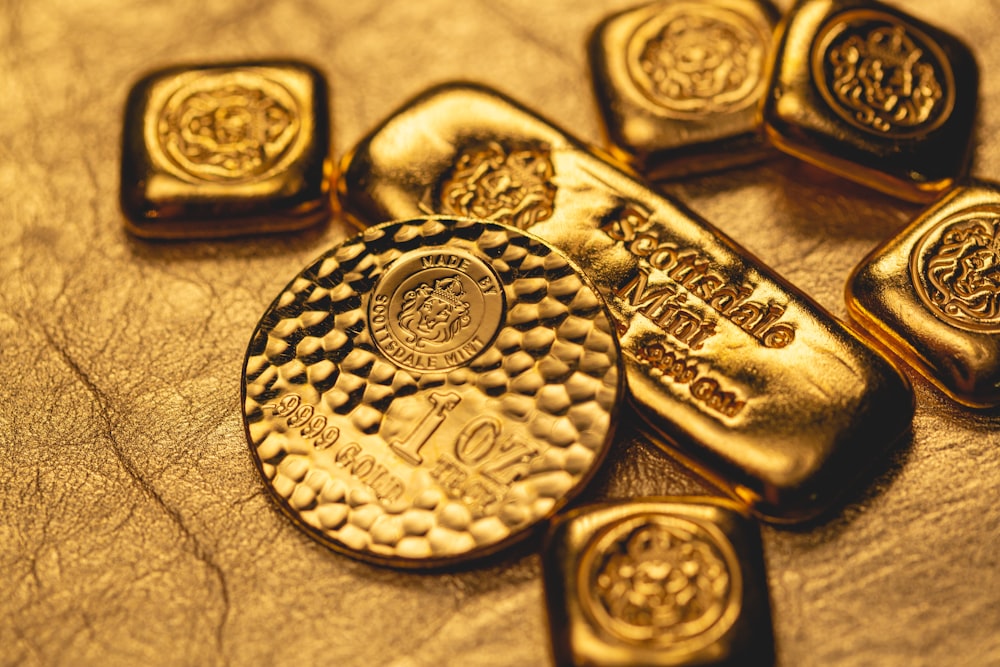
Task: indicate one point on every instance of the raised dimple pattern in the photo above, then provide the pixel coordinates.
(552, 366)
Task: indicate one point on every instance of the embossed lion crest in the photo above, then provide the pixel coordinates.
(510, 185)
(884, 79)
(702, 62)
(229, 133)
(963, 270)
(665, 581)
(435, 314)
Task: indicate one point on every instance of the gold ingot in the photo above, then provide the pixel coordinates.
(226, 150)
(874, 95)
(751, 381)
(932, 294)
(429, 391)
(679, 82)
(658, 582)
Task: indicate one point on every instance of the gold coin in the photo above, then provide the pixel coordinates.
(430, 390)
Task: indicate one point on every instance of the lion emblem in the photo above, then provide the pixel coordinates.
(664, 582)
(510, 186)
(435, 314)
(963, 272)
(229, 133)
(701, 61)
(883, 80)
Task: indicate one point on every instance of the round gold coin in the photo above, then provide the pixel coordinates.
(428, 391)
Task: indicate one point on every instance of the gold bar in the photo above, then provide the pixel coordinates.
(678, 84)
(659, 582)
(932, 294)
(749, 379)
(226, 150)
(874, 95)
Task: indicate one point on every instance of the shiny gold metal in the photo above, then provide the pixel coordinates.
(226, 150)
(430, 390)
(874, 95)
(932, 294)
(658, 582)
(749, 379)
(678, 83)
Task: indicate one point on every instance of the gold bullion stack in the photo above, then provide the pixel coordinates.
(749, 379)
(678, 83)
(427, 392)
(226, 150)
(659, 582)
(932, 294)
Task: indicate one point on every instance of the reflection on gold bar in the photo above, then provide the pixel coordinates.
(657, 581)
(744, 374)
(679, 83)
(874, 95)
(933, 294)
(226, 150)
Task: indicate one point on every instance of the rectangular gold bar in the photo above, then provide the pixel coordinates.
(749, 379)
(932, 294)
(663, 582)
(226, 150)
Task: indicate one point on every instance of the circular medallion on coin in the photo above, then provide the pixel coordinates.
(428, 391)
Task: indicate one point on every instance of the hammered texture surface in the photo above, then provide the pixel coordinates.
(331, 416)
(135, 529)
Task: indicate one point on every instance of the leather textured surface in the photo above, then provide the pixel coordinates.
(134, 527)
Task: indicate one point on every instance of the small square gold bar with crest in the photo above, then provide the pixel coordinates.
(870, 93)
(226, 150)
(933, 294)
(679, 82)
(658, 581)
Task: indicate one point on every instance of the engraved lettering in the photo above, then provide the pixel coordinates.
(666, 305)
(511, 461)
(477, 439)
(675, 366)
(297, 415)
(441, 404)
(484, 465)
(386, 486)
(449, 261)
(435, 310)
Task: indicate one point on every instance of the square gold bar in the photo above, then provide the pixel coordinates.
(872, 94)
(751, 381)
(659, 582)
(932, 294)
(679, 83)
(226, 150)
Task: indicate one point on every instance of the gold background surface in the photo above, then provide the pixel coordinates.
(134, 527)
